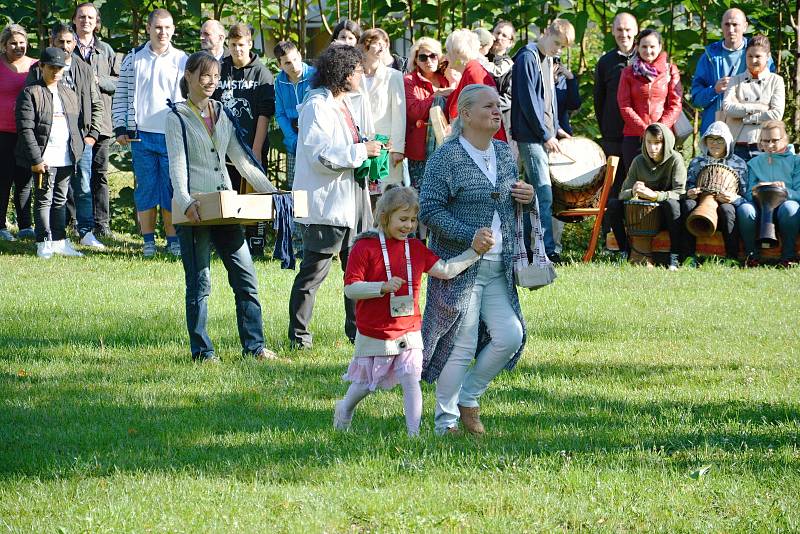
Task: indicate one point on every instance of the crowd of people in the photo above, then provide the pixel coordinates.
(358, 126)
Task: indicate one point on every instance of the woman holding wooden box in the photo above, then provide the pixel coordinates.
(199, 134)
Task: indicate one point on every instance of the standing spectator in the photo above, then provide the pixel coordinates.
(534, 116)
(470, 183)
(753, 98)
(291, 86)
(720, 61)
(424, 85)
(50, 143)
(199, 136)
(149, 77)
(463, 55)
(346, 32)
(649, 91)
(499, 65)
(247, 88)
(329, 149)
(383, 88)
(777, 165)
(212, 38)
(568, 99)
(101, 58)
(14, 67)
(606, 82)
(486, 40)
(79, 77)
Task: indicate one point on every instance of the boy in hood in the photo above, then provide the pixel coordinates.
(658, 174)
(777, 165)
(717, 147)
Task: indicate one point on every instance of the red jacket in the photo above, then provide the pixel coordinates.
(643, 102)
(473, 73)
(419, 98)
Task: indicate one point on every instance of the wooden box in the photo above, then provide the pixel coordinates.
(229, 207)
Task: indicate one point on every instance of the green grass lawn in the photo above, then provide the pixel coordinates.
(632, 383)
(645, 401)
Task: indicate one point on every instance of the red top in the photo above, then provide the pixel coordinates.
(419, 98)
(365, 264)
(473, 73)
(643, 102)
(11, 84)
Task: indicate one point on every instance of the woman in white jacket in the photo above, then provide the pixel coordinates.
(330, 147)
(753, 98)
(199, 134)
(383, 88)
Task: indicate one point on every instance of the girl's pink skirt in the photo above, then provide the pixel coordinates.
(384, 372)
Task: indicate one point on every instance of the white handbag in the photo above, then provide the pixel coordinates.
(541, 272)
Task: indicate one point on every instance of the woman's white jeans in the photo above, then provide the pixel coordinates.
(459, 383)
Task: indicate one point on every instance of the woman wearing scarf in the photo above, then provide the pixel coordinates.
(649, 91)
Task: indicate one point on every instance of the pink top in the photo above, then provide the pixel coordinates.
(11, 84)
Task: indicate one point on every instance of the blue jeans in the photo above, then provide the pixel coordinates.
(229, 242)
(786, 217)
(82, 192)
(459, 383)
(537, 172)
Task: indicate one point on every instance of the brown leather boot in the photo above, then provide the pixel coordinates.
(471, 419)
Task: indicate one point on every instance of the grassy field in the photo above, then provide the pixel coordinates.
(645, 401)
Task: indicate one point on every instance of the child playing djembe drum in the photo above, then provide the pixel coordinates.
(717, 147)
(657, 175)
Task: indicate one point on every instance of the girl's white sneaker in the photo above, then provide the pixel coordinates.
(44, 249)
(64, 247)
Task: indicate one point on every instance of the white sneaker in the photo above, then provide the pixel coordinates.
(64, 247)
(89, 240)
(44, 249)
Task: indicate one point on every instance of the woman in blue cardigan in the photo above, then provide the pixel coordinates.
(471, 182)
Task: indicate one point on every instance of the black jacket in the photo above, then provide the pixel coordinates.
(34, 114)
(105, 66)
(90, 105)
(249, 92)
(606, 81)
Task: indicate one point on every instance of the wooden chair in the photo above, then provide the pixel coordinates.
(611, 169)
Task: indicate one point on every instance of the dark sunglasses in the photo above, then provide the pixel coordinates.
(426, 57)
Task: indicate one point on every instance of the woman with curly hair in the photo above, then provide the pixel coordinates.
(329, 149)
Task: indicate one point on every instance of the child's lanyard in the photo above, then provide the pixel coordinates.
(389, 268)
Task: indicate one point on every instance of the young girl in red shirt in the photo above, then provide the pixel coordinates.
(383, 276)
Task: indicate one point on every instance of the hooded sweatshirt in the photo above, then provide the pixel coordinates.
(783, 167)
(249, 92)
(667, 178)
(720, 129)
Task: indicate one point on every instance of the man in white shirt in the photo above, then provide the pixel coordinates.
(150, 75)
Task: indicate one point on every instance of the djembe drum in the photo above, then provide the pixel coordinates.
(642, 223)
(712, 179)
(769, 198)
(576, 174)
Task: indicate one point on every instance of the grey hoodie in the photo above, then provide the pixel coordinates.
(720, 129)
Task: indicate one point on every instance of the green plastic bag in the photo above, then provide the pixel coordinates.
(374, 168)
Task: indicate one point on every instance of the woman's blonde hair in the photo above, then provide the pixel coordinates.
(395, 198)
(463, 45)
(466, 99)
(423, 42)
(9, 31)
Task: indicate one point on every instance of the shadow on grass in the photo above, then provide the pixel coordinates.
(80, 422)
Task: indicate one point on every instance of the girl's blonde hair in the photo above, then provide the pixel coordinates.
(395, 198)
(463, 46)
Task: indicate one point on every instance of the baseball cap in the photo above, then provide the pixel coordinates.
(54, 56)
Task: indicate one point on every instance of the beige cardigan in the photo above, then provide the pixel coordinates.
(749, 103)
(206, 159)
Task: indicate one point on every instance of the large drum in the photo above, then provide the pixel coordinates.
(577, 174)
(642, 223)
(769, 198)
(713, 179)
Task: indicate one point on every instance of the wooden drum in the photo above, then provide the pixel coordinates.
(642, 223)
(713, 179)
(577, 174)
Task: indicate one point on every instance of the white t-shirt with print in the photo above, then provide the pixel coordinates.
(57, 151)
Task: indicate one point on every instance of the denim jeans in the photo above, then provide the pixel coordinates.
(786, 217)
(537, 170)
(82, 193)
(459, 383)
(100, 200)
(228, 241)
(49, 205)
